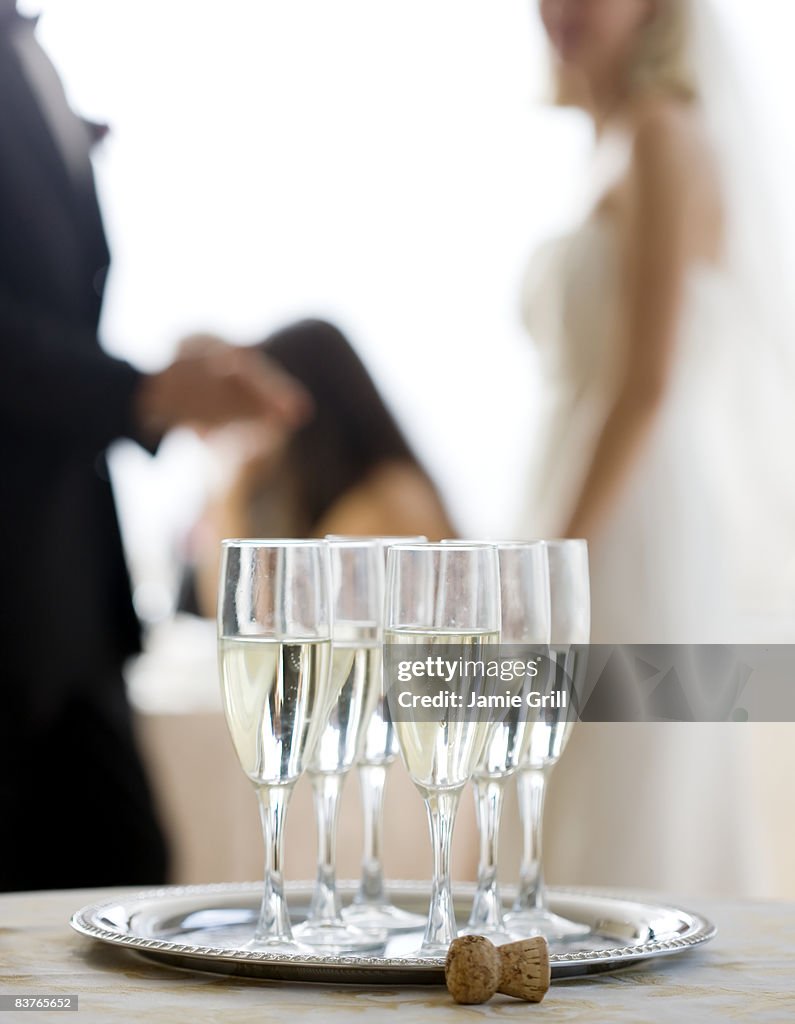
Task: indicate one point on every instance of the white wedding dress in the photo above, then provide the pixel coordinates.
(659, 563)
(666, 806)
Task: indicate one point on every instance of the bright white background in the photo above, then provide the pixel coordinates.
(384, 163)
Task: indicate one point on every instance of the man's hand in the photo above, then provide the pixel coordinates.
(211, 383)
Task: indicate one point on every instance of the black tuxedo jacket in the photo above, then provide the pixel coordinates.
(66, 619)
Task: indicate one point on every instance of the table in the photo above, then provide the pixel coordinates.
(746, 974)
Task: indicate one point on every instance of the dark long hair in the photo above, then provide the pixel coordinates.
(352, 430)
(350, 434)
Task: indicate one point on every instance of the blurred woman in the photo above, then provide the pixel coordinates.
(648, 319)
(348, 470)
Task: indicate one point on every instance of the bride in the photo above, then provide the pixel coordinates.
(664, 390)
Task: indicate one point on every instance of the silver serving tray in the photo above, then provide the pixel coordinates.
(203, 927)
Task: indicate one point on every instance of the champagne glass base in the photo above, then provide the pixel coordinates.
(278, 945)
(383, 916)
(527, 923)
(428, 951)
(497, 936)
(335, 938)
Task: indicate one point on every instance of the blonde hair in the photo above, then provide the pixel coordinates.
(661, 62)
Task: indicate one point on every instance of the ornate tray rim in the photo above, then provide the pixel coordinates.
(427, 971)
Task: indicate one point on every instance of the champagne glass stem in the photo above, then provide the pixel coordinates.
(325, 907)
(274, 920)
(487, 907)
(372, 778)
(531, 788)
(442, 807)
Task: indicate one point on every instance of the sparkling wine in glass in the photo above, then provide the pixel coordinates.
(441, 601)
(525, 604)
(274, 644)
(357, 582)
(570, 633)
(371, 906)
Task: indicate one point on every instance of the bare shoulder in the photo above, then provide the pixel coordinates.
(395, 499)
(396, 480)
(674, 173)
(409, 499)
(669, 140)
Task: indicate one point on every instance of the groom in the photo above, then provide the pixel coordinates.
(75, 805)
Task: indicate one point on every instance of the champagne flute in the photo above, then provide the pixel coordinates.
(440, 599)
(357, 582)
(371, 907)
(525, 602)
(274, 641)
(570, 631)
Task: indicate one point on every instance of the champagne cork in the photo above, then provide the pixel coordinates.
(475, 969)
(525, 969)
(472, 969)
